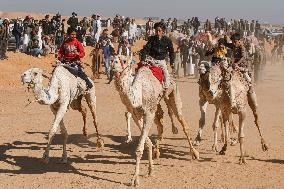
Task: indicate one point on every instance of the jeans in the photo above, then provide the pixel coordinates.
(36, 51)
(18, 40)
(107, 66)
(77, 70)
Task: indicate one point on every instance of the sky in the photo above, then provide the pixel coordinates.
(263, 10)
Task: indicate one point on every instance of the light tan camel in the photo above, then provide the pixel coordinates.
(97, 60)
(233, 84)
(141, 95)
(205, 98)
(64, 91)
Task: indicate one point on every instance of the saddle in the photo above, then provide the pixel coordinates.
(156, 71)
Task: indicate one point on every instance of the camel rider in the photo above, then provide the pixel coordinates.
(240, 63)
(156, 50)
(70, 52)
(219, 52)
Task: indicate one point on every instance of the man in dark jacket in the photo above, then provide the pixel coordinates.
(17, 32)
(156, 50)
(73, 21)
(4, 37)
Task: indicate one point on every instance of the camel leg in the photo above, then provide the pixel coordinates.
(147, 122)
(232, 129)
(174, 128)
(252, 101)
(83, 111)
(242, 116)
(128, 116)
(59, 114)
(226, 124)
(150, 156)
(91, 101)
(77, 105)
(222, 128)
(203, 106)
(174, 102)
(65, 137)
(215, 127)
(159, 122)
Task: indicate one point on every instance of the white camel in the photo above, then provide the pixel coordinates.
(64, 91)
(141, 95)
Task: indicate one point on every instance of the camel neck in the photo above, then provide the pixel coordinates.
(43, 95)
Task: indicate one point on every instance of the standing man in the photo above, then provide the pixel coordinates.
(17, 32)
(73, 21)
(97, 27)
(149, 28)
(132, 32)
(4, 37)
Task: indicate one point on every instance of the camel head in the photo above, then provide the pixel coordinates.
(210, 79)
(32, 76)
(119, 63)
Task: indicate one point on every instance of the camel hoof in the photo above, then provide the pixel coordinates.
(135, 181)
(63, 160)
(215, 148)
(44, 160)
(85, 133)
(264, 146)
(175, 130)
(100, 143)
(128, 140)
(222, 138)
(233, 142)
(242, 161)
(222, 152)
(197, 140)
(194, 154)
(156, 153)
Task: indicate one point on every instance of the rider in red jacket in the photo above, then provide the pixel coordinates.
(70, 52)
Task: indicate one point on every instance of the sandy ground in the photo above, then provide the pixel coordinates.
(24, 133)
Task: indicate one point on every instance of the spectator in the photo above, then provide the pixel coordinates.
(4, 37)
(35, 49)
(73, 21)
(107, 52)
(132, 32)
(48, 47)
(17, 32)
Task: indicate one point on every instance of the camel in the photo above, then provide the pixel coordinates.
(64, 91)
(239, 88)
(97, 59)
(141, 94)
(205, 98)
